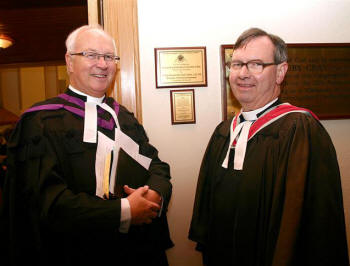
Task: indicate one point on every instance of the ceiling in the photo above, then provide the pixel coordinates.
(40, 3)
(39, 28)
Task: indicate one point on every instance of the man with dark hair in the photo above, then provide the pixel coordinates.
(269, 190)
(84, 186)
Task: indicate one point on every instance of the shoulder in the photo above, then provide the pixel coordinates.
(299, 122)
(130, 125)
(223, 128)
(125, 117)
(53, 100)
(302, 116)
(48, 107)
(41, 107)
(45, 114)
(220, 135)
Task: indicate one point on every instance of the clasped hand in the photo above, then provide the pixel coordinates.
(144, 204)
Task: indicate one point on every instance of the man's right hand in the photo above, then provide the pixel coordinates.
(142, 210)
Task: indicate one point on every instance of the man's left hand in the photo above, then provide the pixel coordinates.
(150, 195)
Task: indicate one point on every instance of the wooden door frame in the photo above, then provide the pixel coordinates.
(119, 18)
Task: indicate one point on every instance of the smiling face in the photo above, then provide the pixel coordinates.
(92, 77)
(256, 90)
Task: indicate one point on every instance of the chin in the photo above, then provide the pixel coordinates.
(243, 97)
(100, 91)
(245, 101)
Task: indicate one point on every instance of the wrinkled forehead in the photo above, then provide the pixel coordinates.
(260, 48)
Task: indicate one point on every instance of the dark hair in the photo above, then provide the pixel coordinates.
(280, 53)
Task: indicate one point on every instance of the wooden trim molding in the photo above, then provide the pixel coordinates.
(121, 21)
(92, 11)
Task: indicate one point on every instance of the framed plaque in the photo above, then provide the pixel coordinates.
(318, 78)
(182, 107)
(181, 67)
(230, 105)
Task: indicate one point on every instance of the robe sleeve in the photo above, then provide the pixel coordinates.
(40, 186)
(202, 205)
(312, 229)
(158, 176)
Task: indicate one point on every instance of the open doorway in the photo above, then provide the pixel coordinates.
(33, 67)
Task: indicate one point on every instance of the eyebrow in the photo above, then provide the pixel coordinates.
(236, 60)
(95, 51)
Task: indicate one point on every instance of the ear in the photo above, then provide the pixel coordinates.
(281, 72)
(69, 63)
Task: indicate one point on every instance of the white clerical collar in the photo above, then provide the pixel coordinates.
(88, 97)
(252, 115)
(90, 117)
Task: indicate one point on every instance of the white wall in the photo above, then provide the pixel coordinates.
(168, 23)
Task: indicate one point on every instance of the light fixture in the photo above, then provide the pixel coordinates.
(5, 41)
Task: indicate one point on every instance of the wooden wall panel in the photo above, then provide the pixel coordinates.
(32, 86)
(120, 20)
(10, 90)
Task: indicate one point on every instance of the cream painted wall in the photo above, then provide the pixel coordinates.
(167, 23)
(9, 88)
(50, 78)
(32, 80)
(21, 87)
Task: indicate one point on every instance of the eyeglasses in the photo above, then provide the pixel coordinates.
(96, 56)
(253, 66)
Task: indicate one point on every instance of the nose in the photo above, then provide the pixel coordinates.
(244, 72)
(101, 62)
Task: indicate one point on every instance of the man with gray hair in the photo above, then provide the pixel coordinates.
(84, 186)
(269, 190)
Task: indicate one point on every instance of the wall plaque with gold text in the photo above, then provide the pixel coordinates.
(318, 78)
(182, 107)
(181, 67)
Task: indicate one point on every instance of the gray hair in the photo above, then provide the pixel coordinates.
(72, 37)
(280, 53)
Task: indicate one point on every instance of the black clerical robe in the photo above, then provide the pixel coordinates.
(54, 216)
(285, 206)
